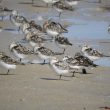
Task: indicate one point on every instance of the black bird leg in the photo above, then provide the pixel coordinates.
(18, 28)
(84, 71)
(20, 59)
(60, 77)
(73, 74)
(32, 1)
(8, 72)
(59, 14)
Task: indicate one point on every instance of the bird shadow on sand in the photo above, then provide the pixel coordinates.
(40, 6)
(83, 73)
(25, 3)
(9, 29)
(4, 74)
(54, 79)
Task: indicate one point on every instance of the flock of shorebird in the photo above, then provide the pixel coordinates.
(37, 36)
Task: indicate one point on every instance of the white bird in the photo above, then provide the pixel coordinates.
(17, 20)
(79, 62)
(71, 2)
(37, 39)
(53, 29)
(8, 62)
(62, 42)
(45, 53)
(60, 68)
(60, 6)
(4, 11)
(19, 50)
(92, 53)
(50, 1)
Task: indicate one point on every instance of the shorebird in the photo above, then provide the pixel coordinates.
(17, 20)
(60, 6)
(45, 53)
(4, 11)
(19, 50)
(26, 28)
(60, 67)
(50, 1)
(8, 62)
(71, 2)
(62, 42)
(36, 26)
(53, 28)
(79, 62)
(35, 39)
(92, 53)
(31, 26)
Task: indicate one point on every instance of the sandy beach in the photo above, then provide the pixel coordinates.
(35, 86)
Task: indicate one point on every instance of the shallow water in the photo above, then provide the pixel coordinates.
(103, 62)
(83, 29)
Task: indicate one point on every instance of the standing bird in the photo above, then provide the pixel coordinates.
(79, 62)
(33, 24)
(50, 1)
(45, 53)
(62, 42)
(60, 6)
(60, 67)
(19, 50)
(17, 20)
(4, 11)
(53, 29)
(92, 53)
(35, 39)
(8, 62)
(71, 2)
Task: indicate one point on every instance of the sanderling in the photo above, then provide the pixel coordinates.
(60, 67)
(50, 1)
(31, 27)
(4, 11)
(34, 25)
(62, 42)
(17, 19)
(72, 2)
(45, 53)
(60, 6)
(79, 62)
(19, 50)
(53, 28)
(8, 62)
(92, 53)
(35, 39)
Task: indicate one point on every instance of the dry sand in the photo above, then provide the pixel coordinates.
(35, 87)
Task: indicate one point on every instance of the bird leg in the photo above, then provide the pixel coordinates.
(32, 1)
(59, 14)
(43, 63)
(19, 29)
(60, 77)
(20, 59)
(73, 74)
(84, 71)
(2, 18)
(64, 51)
(8, 72)
(47, 5)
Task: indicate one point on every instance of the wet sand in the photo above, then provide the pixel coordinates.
(36, 87)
